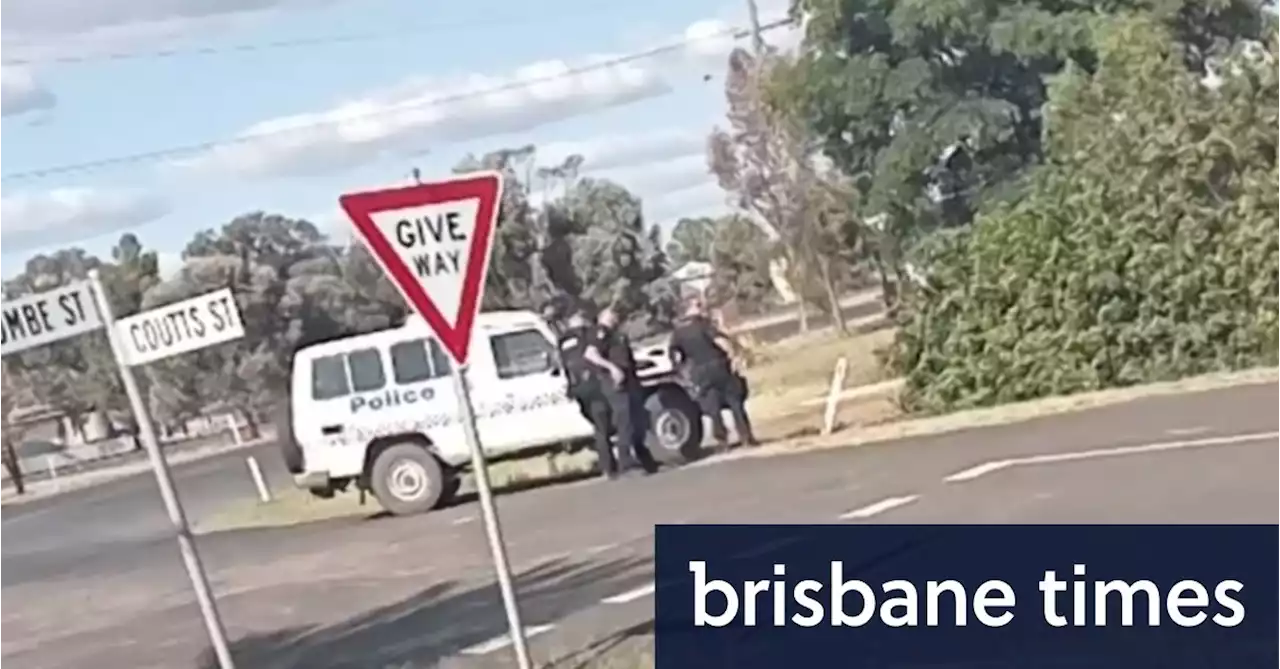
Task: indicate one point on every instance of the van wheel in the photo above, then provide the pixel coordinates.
(407, 479)
(675, 426)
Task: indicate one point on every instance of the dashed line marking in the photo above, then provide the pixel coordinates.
(631, 595)
(548, 559)
(600, 548)
(500, 642)
(1186, 431)
(463, 520)
(1157, 447)
(879, 507)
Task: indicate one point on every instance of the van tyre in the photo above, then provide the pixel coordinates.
(407, 479)
(675, 426)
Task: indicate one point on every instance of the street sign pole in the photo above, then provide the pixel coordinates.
(147, 434)
(501, 564)
(433, 241)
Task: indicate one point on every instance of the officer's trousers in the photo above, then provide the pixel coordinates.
(718, 388)
(626, 406)
(596, 409)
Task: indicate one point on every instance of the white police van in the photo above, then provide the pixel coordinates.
(378, 410)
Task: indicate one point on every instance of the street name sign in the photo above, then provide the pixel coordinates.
(43, 318)
(433, 241)
(181, 327)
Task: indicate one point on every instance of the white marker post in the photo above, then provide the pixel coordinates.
(123, 346)
(433, 240)
(833, 397)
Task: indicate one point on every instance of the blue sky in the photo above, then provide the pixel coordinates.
(363, 111)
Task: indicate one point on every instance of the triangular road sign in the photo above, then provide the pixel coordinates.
(433, 241)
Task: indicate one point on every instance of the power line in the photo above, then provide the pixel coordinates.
(302, 42)
(175, 152)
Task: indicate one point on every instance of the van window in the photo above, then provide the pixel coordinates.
(366, 370)
(411, 363)
(522, 353)
(329, 377)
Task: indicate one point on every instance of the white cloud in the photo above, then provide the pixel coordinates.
(40, 30)
(620, 151)
(21, 92)
(705, 199)
(423, 112)
(29, 220)
(44, 21)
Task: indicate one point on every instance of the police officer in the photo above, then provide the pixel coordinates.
(585, 387)
(699, 348)
(610, 351)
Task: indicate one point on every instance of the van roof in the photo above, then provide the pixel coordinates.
(487, 320)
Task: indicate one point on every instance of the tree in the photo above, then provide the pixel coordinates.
(765, 159)
(738, 251)
(934, 109)
(692, 240)
(612, 257)
(511, 283)
(290, 291)
(75, 375)
(13, 395)
(1144, 249)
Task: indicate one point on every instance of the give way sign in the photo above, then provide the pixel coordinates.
(433, 241)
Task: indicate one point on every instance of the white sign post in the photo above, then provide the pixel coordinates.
(433, 241)
(153, 335)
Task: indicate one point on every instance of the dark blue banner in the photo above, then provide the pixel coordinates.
(1007, 596)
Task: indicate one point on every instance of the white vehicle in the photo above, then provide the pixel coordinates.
(378, 410)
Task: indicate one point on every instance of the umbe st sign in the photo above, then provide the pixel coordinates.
(180, 327)
(43, 318)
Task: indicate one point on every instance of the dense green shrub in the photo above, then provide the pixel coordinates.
(1144, 249)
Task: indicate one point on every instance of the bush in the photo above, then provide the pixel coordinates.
(1145, 248)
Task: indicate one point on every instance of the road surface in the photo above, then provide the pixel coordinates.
(51, 534)
(409, 592)
(57, 531)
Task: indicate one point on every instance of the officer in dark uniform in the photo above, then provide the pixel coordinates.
(586, 388)
(699, 348)
(610, 351)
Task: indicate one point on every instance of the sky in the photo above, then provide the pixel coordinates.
(195, 111)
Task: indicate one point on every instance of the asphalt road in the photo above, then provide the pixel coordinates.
(49, 536)
(54, 533)
(411, 592)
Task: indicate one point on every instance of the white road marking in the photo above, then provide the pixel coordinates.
(548, 559)
(1186, 431)
(979, 470)
(879, 507)
(596, 550)
(463, 520)
(631, 595)
(500, 642)
(1157, 447)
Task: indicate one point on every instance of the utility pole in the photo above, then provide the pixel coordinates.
(757, 35)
